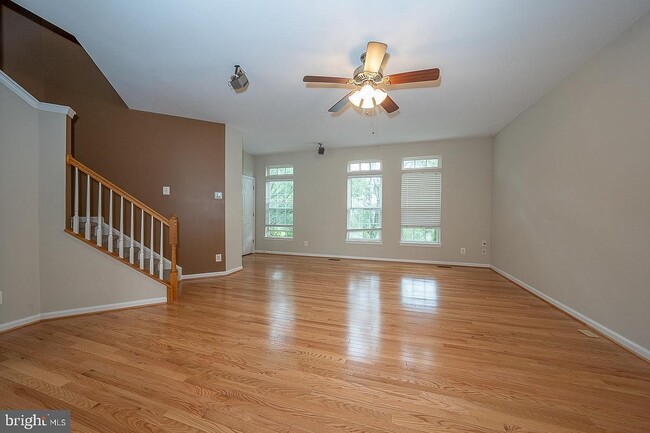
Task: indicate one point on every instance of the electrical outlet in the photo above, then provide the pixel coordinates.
(484, 243)
(218, 195)
(166, 190)
(462, 250)
(484, 251)
(217, 257)
(306, 243)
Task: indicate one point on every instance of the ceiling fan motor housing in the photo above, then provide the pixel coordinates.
(362, 77)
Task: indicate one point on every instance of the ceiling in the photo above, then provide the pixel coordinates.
(496, 58)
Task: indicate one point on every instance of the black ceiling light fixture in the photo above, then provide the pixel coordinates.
(321, 149)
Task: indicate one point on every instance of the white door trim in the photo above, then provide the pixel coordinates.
(251, 248)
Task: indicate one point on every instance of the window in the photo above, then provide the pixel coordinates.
(421, 200)
(355, 166)
(279, 202)
(421, 162)
(364, 201)
(279, 170)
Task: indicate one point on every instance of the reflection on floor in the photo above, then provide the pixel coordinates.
(296, 344)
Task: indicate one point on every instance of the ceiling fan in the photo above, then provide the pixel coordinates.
(368, 78)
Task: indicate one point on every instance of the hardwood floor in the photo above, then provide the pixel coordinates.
(295, 344)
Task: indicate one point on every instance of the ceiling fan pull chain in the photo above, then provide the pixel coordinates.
(371, 112)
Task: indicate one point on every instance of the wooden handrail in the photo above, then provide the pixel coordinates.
(99, 178)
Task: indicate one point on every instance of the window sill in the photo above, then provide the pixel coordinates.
(364, 242)
(418, 244)
(277, 239)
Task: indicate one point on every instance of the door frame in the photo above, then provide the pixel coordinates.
(254, 216)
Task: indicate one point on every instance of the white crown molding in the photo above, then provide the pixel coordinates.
(77, 311)
(31, 101)
(379, 259)
(212, 274)
(615, 336)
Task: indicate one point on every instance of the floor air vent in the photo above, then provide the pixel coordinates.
(444, 266)
(588, 333)
(335, 260)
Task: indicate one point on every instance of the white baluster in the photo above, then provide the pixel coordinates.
(151, 249)
(110, 221)
(87, 225)
(99, 216)
(75, 218)
(120, 242)
(141, 239)
(160, 265)
(131, 253)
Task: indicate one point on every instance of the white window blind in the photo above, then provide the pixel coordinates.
(421, 199)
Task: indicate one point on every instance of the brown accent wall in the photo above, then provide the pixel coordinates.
(138, 151)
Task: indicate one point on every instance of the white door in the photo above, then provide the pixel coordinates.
(248, 215)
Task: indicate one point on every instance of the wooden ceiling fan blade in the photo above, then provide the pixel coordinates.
(414, 76)
(374, 56)
(389, 105)
(318, 79)
(339, 105)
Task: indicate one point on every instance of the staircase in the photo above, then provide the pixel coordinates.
(123, 227)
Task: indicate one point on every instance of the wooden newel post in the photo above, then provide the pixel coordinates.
(173, 241)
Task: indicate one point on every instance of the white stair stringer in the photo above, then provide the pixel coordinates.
(167, 264)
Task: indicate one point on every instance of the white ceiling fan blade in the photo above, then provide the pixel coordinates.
(374, 56)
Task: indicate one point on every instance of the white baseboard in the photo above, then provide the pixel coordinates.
(625, 342)
(76, 311)
(379, 259)
(100, 308)
(20, 322)
(212, 274)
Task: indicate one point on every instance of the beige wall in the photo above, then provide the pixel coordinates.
(571, 190)
(44, 270)
(320, 201)
(248, 164)
(19, 265)
(233, 197)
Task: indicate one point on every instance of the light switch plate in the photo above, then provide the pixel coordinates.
(218, 195)
(166, 190)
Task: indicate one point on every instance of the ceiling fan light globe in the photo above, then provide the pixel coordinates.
(367, 91)
(379, 96)
(355, 99)
(368, 103)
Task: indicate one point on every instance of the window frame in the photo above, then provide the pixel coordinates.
(422, 158)
(277, 176)
(369, 170)
(364, 174)
(270, 178)
(438, 229)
